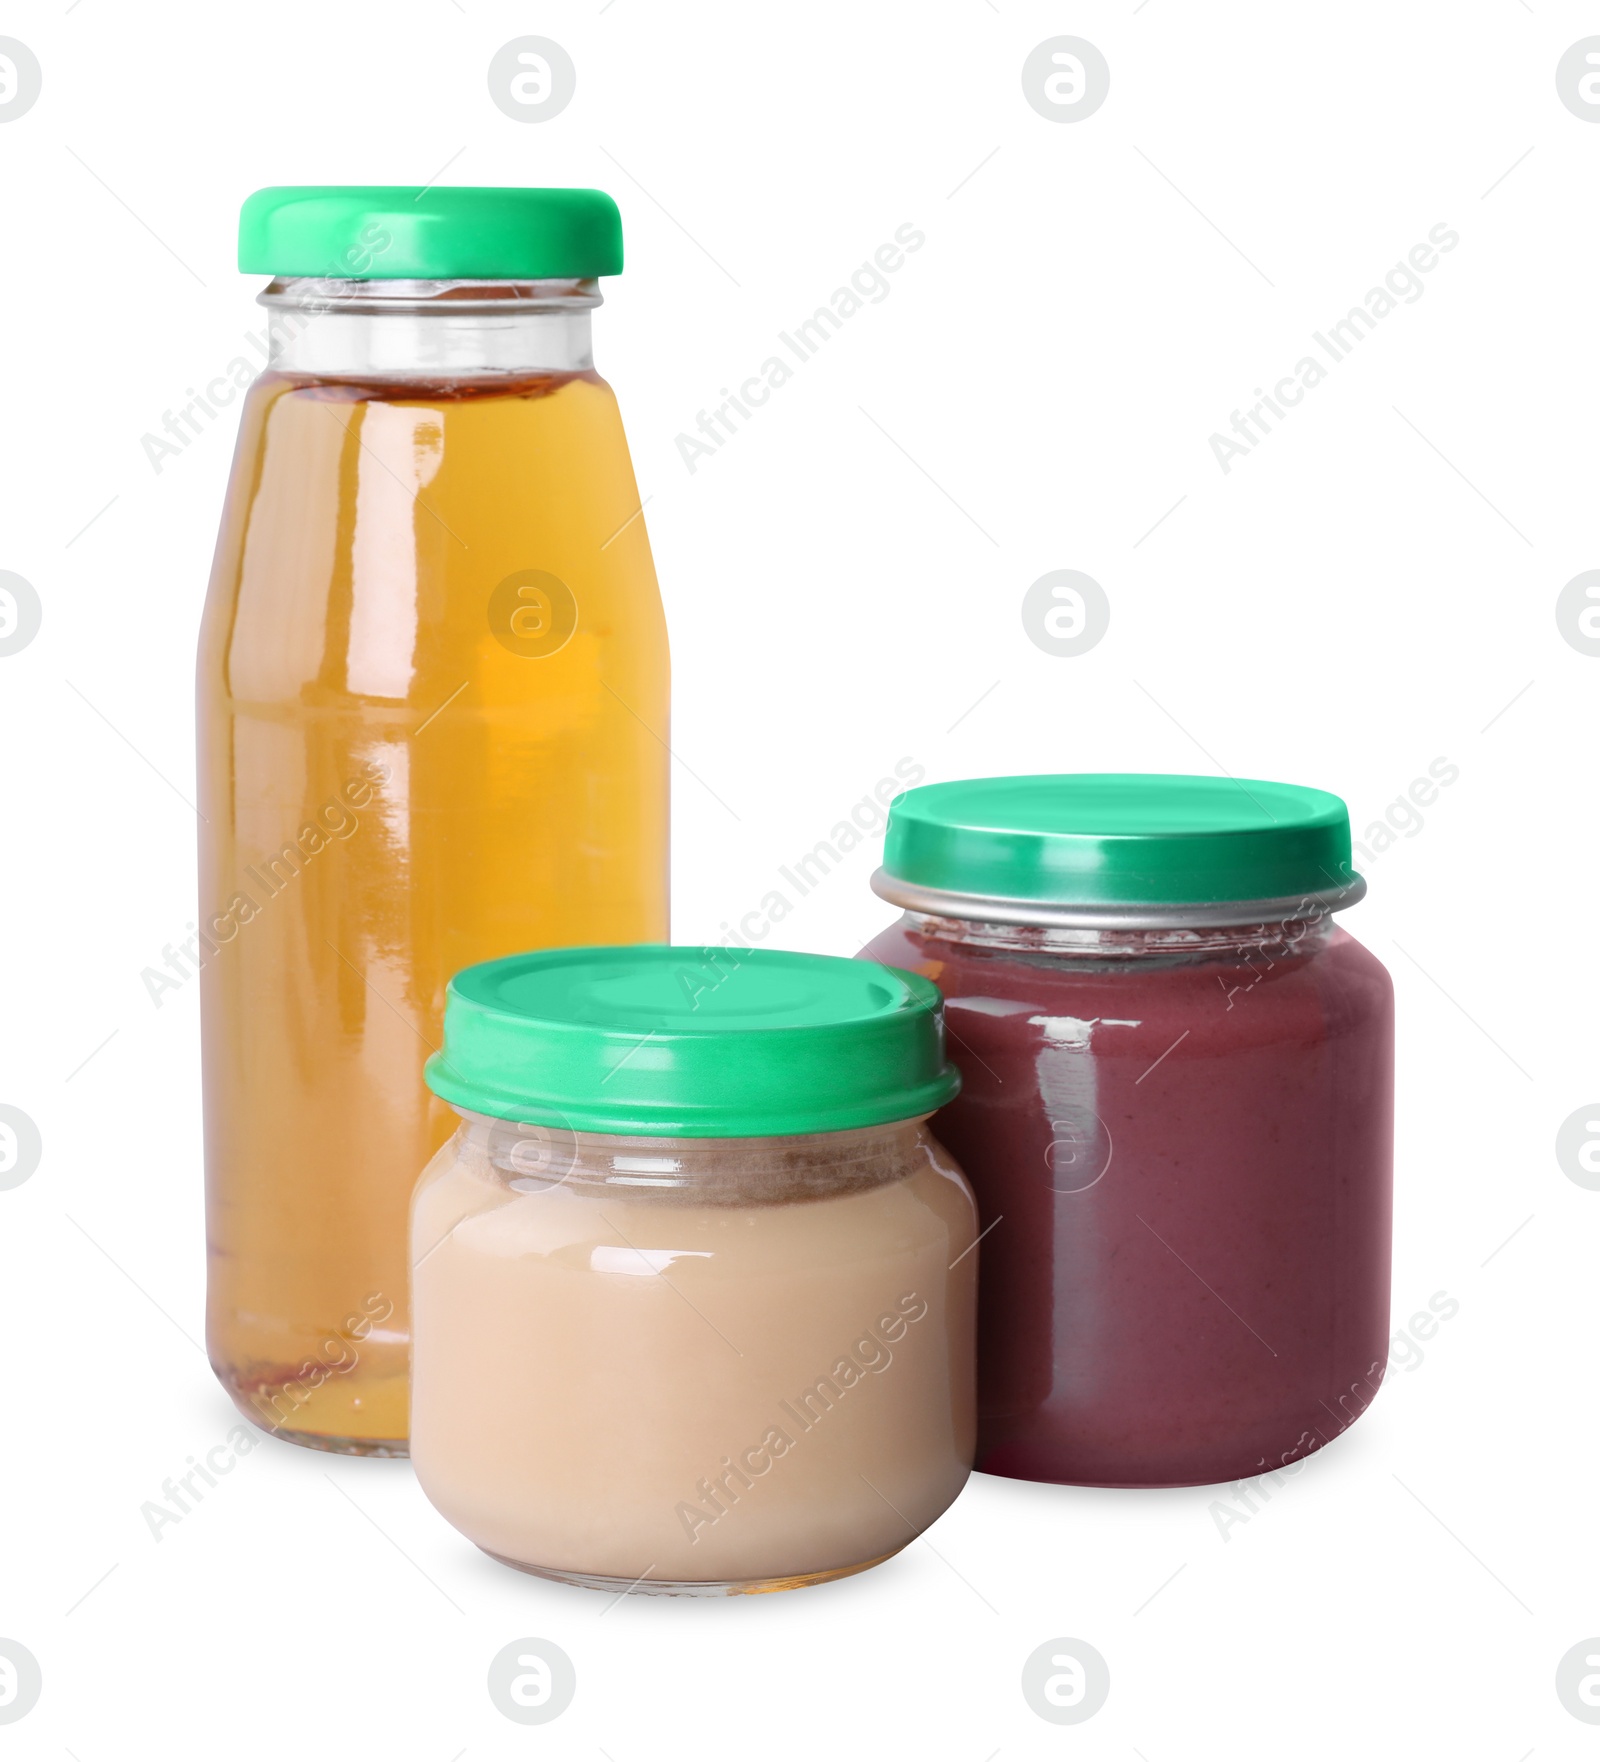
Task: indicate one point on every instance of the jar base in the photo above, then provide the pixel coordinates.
(1169, 1477)
(657, 1587)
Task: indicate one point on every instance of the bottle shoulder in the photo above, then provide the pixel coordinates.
(380, 543)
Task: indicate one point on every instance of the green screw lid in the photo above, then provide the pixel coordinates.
(1116, 848)
(432, 233)
(659, 1041)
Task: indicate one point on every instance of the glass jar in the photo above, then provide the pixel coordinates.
(433, 688)
(693, 1292)
(1175, 1112)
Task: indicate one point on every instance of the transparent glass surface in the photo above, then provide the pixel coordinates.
(1180, 1141)
(433, 696)
(693, 1366)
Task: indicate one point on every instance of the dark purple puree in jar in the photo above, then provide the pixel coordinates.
(1178, 1131)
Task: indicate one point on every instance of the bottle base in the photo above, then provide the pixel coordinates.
(658, 1587)
(338, 1446)
(255, 1401)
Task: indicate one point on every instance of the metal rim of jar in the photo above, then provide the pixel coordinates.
(986, 909)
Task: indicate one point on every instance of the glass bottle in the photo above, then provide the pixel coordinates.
(433, 697)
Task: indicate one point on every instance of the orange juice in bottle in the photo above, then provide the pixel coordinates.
(433, 695)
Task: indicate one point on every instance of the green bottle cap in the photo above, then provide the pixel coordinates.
(659, 1041)
(436, 233)
(1117, 848)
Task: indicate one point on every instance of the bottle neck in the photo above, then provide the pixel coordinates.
(429, 329)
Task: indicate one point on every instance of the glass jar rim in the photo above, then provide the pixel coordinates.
(936, 902)
(772, 1169)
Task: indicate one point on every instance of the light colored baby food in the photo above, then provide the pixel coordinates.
(694, 1364)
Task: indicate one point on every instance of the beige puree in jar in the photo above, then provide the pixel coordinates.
(702, 1364)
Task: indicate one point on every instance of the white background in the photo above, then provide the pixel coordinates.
(1366, 592)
